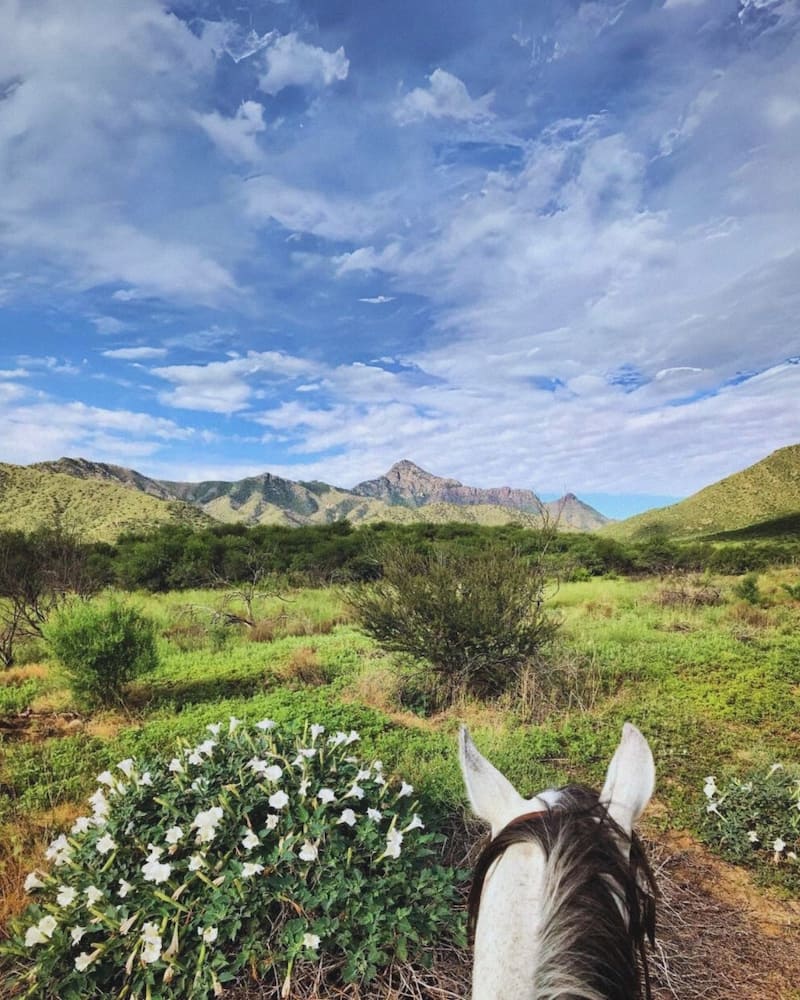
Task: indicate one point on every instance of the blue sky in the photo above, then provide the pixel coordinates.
(552, 245)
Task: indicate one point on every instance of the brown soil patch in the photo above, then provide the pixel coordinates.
(33, 727)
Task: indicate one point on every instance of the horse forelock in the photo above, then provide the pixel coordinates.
(599, 899)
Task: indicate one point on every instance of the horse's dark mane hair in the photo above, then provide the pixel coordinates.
(599, 905)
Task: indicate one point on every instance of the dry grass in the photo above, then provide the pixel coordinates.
(682, 593)
(18, 675)
(303, 668)
(269, 629)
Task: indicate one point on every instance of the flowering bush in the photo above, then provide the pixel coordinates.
(250, 850)
(757, 821)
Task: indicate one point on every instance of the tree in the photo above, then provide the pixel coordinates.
(38, 572)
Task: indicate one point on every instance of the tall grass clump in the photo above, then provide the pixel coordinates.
(474, 618)
(101, 648)
(281, 855)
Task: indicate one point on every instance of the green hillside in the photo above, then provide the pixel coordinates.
(98, 511)
(765, 492)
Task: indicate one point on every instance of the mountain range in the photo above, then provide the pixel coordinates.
(102, 501)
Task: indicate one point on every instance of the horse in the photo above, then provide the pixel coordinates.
(562, 897)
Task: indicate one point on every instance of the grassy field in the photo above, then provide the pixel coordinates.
(714, 687)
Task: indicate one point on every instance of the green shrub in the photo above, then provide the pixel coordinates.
(476, 617)
(756, 821)
(277, 853)
(102, 648)
(747, 589)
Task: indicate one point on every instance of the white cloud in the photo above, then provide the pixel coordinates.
(227, 386)
(446, 97)
(378, 300)
(311, 211)
(291, 62)
(135, 353)
(236, 136)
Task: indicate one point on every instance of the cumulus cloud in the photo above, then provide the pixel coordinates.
(445, 97)
(229, 386)
(236, 136)
(292, 62)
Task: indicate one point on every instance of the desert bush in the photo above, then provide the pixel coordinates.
(102, 648)
(277, 853)
(474, 617)
(685, 593)
(755, 821)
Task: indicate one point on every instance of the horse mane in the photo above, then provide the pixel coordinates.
(598, 905)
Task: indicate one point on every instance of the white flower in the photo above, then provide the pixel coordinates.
(257, 765)
(415, 824)
(752, 836)
(710, 787)
(105, 844)
(233, 724)
(173, 835)
(792, 855)
(304, 753)
(712, 808)
(405, 789)
(32, 882)
(196, 862)
(352, 737)
(265, 724)
(81, 825)
(208, 934)
(316, 731)
(779, 845)
(99, 804)
(250, 840)
(206, 747)
(326, 795)
(83, 961)
(151, 943)
(40, 932)
(127, 923)
(374, 815)
(251, 868)
(106, 778)
(348, 817)
(76, 933)
(176, 767)
(93, 894)
(303, 787)
(59, 851)
(308, 852)
(206, 823)
(272, 821)
(278, 799)
(195, 758)
(338, 739)
(124, 888)
(364, 775)
(394, 840)
(126, 766)
(34, 936)
(154, 871)
(773, 769)
(214, 728)
(378, 765)
(269, 771)
(311, 941)
(356, 792)
(146, 779)
(66, 896)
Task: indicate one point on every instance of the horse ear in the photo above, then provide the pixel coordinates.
(630, 779)
(492, 796)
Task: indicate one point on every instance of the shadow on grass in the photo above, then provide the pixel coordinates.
(143, 696)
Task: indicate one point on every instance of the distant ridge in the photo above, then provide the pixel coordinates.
(33, 497)
(766, 491)
(406, 493)
(407, 485)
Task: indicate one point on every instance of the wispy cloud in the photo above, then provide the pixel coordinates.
(445, 97)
